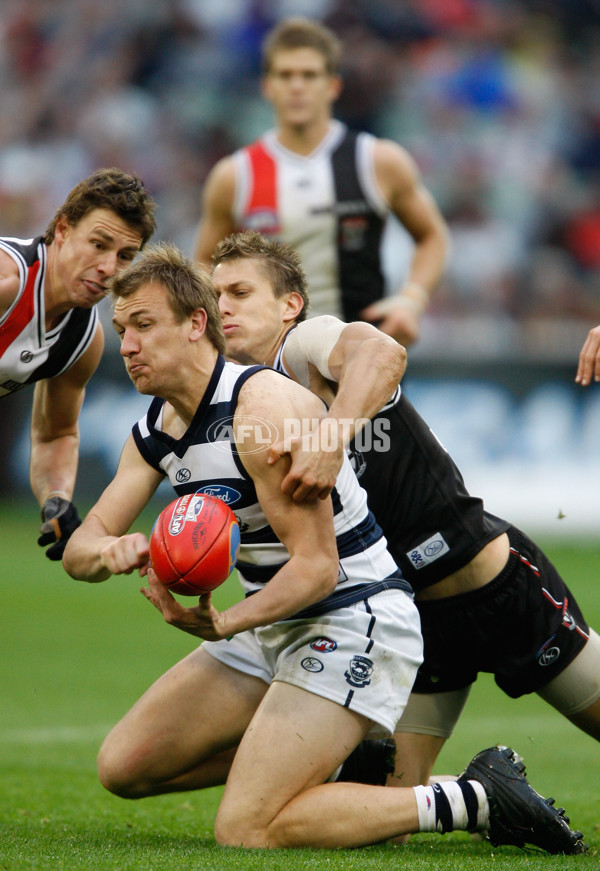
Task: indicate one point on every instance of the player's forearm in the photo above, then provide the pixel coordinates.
(301, 582)
(426, 270)
(368, 379)
(53, 466)
(82, 558)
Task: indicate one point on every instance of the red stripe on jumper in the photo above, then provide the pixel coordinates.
(23, 312)
(263, 195)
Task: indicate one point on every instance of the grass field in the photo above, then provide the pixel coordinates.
(76, 656)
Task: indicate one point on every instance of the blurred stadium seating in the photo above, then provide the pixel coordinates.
(498, 102)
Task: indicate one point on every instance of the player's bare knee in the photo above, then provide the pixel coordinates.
(239, 827)
(117, 773)
(236, 831)
(109, 775)
(228, 837)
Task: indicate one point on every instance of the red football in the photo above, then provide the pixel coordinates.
(194, 544)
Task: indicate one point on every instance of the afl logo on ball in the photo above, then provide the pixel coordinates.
(549, 656)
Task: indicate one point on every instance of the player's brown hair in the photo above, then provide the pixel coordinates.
(188, 285)
(280, 263)
(302, 33)
(109, 189)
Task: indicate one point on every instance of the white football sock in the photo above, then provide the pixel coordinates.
(444, 807)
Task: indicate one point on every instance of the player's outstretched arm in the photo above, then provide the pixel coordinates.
(365, 366)
(100, 547)
(55, 447)
(589, 359)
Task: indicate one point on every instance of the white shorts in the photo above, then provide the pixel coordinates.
(364, 656)
(570, 692)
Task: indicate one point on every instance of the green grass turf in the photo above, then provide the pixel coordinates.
(76, 656)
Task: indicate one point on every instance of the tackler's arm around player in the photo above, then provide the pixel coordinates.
(365, 366)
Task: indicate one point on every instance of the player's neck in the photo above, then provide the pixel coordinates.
(55, 304)
(187, 391)
(270, 352)
(303, 138)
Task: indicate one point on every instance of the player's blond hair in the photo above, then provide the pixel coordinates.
(302, 33)
(279, 262)
(189, 286)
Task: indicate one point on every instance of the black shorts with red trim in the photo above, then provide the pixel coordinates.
(524, 627)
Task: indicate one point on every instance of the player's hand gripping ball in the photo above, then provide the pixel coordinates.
(194, 544)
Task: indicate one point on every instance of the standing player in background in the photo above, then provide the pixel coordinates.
(50, 334)
(326, 191)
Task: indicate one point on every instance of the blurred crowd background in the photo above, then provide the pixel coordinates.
(497, 100)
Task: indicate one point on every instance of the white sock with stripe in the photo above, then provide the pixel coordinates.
(444, 807)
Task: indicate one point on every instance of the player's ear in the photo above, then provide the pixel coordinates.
(265, 89)
(198, 320)
(293, 306)
(335, 87)
(61, 228)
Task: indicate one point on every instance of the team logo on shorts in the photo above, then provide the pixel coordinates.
(549, 656)
(323, 645)
(311, 663)
(359, 672)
